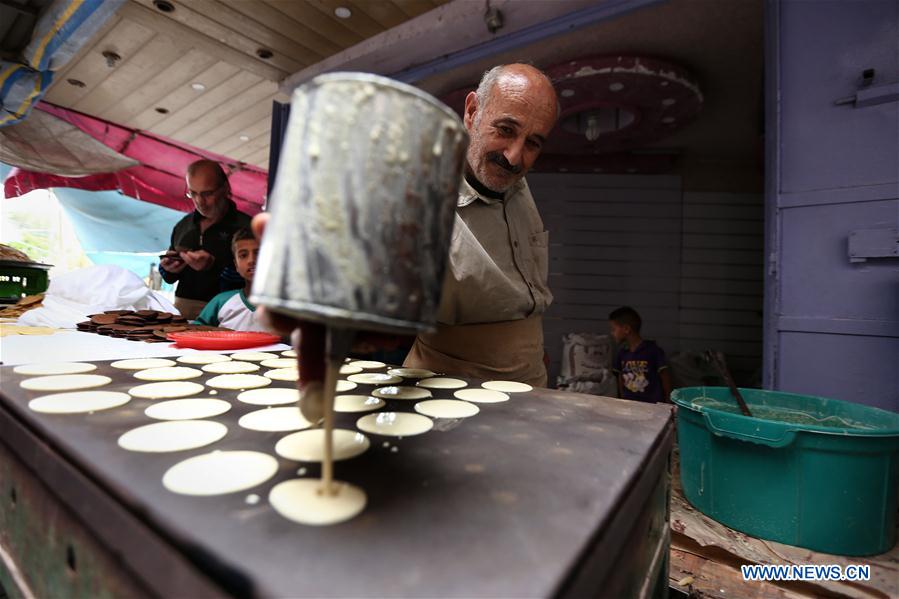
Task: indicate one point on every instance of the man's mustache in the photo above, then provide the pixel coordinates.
(498, 158)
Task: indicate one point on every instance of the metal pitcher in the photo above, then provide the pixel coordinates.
(363, 205)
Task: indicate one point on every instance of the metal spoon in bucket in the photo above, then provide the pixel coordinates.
(717, 361)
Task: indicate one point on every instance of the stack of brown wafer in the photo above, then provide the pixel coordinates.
(29, 302)
(151, 326)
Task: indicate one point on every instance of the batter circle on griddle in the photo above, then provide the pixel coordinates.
(65, 382)
(78, 402)
(397, 392)
(395, 424)
(51, 368)
(274, 419)
(442, 382)
(165, 390)
(230, 367)
(220, 472)
(308, 446)
(187, 409)
(446, 408)
(302, 500)
(142, 363)
(168, 373)
(269, 396)
(238, 381)
(174, 435)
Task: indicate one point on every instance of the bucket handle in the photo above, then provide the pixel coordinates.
(766, 433)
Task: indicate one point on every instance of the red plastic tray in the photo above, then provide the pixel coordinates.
(222, 339)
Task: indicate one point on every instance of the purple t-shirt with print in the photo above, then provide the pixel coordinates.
(640, 371)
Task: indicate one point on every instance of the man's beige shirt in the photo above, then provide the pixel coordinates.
(499, 259)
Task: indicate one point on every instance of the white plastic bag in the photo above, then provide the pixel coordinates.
(72, 296)
(587, 364)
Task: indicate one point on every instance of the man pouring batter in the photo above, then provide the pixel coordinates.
(490, 318)
(495, 291)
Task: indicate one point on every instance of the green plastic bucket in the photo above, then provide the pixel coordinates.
(826, 480)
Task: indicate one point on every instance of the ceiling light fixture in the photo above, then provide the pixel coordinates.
(76, 82)
(593, 129)
(342, 12)
(164, 6)
(244, 138)
(596, 122)
(197, 86)
(112, 59)
(162, 110)
(493, 18)
(264, 53)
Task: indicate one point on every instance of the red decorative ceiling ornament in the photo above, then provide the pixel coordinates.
(610, 106)
(618, 103)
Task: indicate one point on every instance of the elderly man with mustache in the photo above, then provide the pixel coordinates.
(495, 291)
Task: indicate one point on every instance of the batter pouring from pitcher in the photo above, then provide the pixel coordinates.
(495, 291)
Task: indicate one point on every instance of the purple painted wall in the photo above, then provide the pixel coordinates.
(832, 324)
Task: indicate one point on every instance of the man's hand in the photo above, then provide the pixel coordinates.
(198, 259)
(172, 262)
(309, 337)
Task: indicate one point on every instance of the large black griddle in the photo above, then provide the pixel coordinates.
(512, 502)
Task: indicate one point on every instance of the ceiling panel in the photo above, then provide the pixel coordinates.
(237, 38)
(242, 124)
(413, 8)
(261, 35)
(131, 73)
(214, 43)
(279, 22)
(386, 14)
(358, 22)
(206, 102)
(184, 95)
(260, 142)
(302, 12)
(260, 93)
(125, 38)
(181, 72)
(232, 142)
(260, 157)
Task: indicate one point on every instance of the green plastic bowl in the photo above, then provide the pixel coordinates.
(825, 479)
(18, 279)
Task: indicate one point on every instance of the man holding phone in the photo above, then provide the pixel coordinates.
(201, 241)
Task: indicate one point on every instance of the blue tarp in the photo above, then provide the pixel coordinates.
(116, 229)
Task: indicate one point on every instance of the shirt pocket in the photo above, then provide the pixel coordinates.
(539, 244)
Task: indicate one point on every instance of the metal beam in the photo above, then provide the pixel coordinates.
(450, 28)
(535, 33)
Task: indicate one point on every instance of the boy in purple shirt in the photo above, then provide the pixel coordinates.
(640, 365)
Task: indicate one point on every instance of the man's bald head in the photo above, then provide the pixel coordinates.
(508, 118)
(518, 75)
